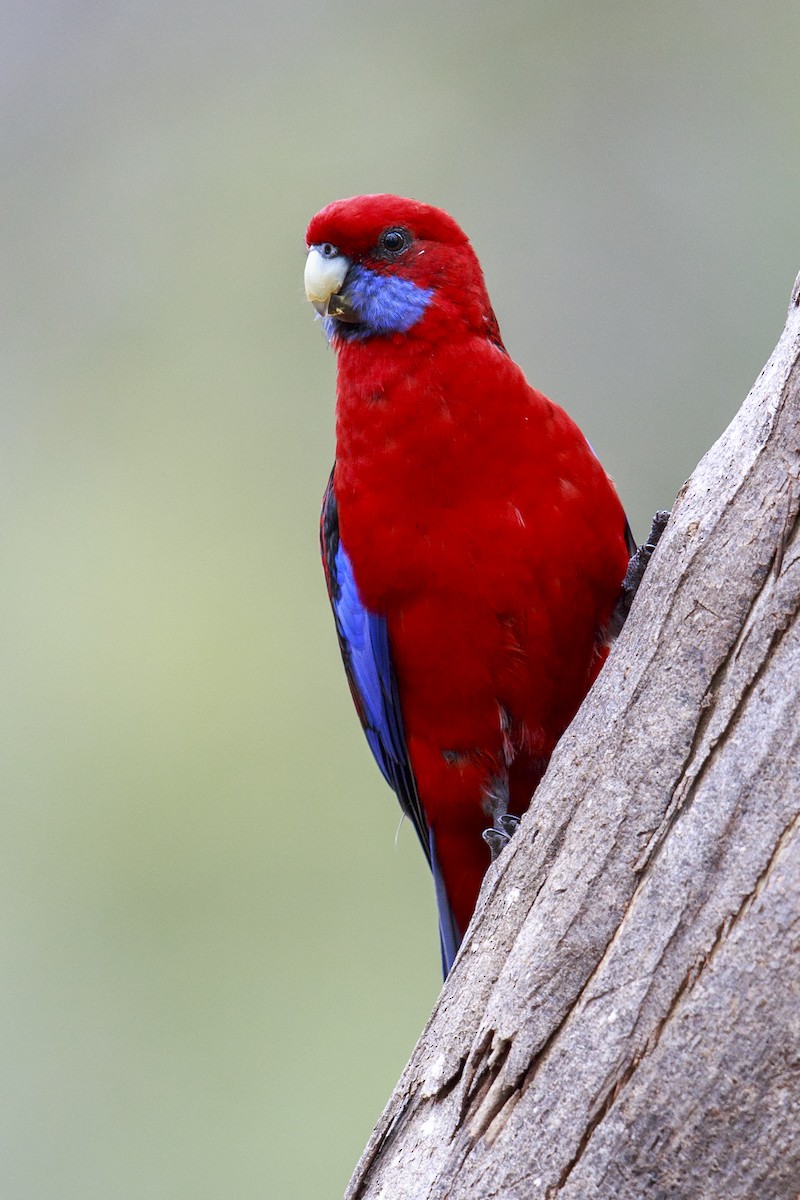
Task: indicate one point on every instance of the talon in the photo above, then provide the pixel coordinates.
(508, 824)
(501, 833)
(497, 841)
(656, 529)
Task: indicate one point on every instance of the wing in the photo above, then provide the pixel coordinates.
(364, 643)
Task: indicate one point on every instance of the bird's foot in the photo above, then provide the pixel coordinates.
(501, 833)
(635, 572)
(495, 804)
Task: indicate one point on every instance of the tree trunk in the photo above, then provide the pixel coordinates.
(623, 1019)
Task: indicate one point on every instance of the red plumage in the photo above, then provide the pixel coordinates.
(478, 522)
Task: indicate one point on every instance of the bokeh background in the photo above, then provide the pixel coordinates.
(215, 958)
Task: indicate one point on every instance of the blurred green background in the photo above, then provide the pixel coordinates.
(215, 959)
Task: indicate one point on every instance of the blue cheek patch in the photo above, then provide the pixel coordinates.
(386, 304)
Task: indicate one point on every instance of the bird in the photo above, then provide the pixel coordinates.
(474, 547)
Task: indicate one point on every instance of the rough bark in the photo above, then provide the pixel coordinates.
(623, 1019)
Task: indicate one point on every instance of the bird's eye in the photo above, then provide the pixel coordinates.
(327, 250)
(395, 241)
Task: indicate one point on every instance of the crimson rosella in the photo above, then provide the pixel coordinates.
(473, 545)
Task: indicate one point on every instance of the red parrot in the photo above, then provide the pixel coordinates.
(474, 547)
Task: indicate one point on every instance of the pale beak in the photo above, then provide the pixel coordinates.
(323, 278)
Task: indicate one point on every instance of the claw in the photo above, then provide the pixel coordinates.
(498, 837)
(508, 825)
(496, 840)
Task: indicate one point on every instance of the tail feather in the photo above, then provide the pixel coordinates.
(449, 933)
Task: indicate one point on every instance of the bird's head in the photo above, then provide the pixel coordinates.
(382, 265)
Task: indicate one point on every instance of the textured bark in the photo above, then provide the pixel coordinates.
(624, 1016)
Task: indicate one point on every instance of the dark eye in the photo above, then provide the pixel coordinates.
(327, 250)
(394, 241)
